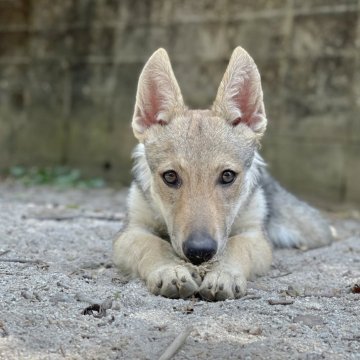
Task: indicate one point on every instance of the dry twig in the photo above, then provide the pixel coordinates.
(176, 344)
(280, 301)
(281, 275)
(26, 261)
(76, 216)
(251, 297)
(4, 329)
(63, 353)
(330, 293)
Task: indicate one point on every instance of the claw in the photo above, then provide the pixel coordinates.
(222, 284)
(173, 281)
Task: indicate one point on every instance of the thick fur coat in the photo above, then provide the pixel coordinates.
(203, 212)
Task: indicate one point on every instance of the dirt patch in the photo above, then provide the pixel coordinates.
(60, 297)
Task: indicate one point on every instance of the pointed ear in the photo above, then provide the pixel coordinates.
(158, 94)
(240, 98)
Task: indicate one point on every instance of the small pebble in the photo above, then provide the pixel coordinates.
(309, 320)
(27, 294)
(116, 305)
(107, 304)
(60, 297)
(255, 330)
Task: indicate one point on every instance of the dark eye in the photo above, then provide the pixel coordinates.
(227, 177)
(171, 178)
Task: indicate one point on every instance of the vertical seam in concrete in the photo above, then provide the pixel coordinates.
(283, 69)
(356, 106)
(356, 96)
(166, 11)
(287, 30)
(118, 32)
(19, 121)
(66, 110)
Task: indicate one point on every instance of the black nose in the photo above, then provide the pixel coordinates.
(199, 247)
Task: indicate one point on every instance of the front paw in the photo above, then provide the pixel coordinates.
(174, 281)
(223, 283)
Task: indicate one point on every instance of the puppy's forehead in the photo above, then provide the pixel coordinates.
(200, 136)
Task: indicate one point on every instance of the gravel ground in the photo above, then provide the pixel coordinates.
(49, 308)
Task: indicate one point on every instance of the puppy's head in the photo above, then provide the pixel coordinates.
(200, 162)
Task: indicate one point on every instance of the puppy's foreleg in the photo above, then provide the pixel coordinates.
(246, 255)
(138, 252)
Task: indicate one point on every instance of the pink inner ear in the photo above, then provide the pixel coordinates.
(252, 121)
(152, 107)
(248, 103)
(249, 121)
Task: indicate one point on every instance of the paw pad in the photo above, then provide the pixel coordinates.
(222, 284)
(173, 281)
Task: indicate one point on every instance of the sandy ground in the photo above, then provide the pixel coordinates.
(68, 235)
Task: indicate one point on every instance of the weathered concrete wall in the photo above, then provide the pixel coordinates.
(68, 72)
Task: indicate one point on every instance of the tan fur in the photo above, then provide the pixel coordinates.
(199, 145)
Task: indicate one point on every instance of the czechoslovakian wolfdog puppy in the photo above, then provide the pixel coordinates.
(202, 210)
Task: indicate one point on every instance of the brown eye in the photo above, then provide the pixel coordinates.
(171, 178)
(227, 177)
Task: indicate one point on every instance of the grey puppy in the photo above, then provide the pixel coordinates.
(202, 210)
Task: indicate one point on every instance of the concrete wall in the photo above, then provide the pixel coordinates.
(68, 72)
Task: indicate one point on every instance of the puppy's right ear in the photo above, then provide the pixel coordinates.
(158, 94)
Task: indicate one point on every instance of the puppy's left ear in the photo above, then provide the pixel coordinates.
(240, 98)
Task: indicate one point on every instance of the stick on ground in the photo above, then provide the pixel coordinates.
(76, 216)
(25, 261)
(176, 344)
(280, 301)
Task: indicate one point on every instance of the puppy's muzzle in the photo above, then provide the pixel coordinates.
(199, 247)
